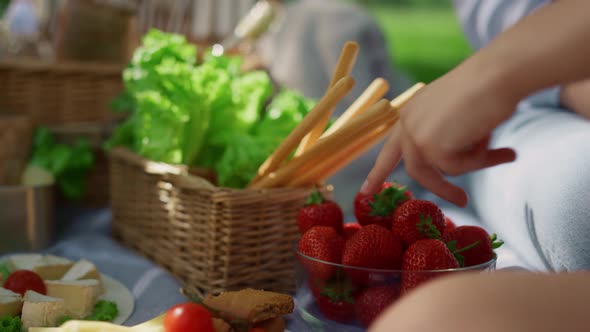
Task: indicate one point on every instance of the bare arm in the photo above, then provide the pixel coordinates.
(503, 301)
(549, 47)
(446, 128)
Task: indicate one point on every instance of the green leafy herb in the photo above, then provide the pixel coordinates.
(68, 164)
(105, 311)
(63, 319)
(4, 272)
(11, 324)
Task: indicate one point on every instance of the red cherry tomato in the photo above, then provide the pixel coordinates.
(188, 317)
(23, 280)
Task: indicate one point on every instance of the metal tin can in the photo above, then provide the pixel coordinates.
(27, 218)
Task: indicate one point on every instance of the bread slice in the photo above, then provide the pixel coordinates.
(10, 303)
(40, 310)
(79, 295)
(82, 270)
(251, 305)
(48, 267)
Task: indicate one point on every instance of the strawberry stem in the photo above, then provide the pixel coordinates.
(315, 198)
(427, 228)
(474, 244)
(452, 245)
(337, 291)
(385, 202)
(496, 243)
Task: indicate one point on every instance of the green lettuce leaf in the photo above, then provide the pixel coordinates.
(68, 164)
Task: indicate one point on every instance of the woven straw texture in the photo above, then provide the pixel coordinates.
(59, 93)
(213, 239)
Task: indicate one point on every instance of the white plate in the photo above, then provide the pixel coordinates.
(117, 292)
(114, 291)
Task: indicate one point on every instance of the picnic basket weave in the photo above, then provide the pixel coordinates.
(58, 93)
(211, 238)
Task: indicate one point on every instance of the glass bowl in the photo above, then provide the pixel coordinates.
(336, 297)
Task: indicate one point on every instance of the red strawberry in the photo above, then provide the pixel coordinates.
(449, 225)
(373, 301)
(323, 243)
(372, 247)
(335, 300)
(350, 229)
(473, 243)
(319, 211)
(425, 255)
(379, 208)
(418, 219)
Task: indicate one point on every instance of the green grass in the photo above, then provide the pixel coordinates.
(424, 42)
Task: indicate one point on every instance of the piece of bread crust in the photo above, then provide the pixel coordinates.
(276, 324)
(251, 305)
(219, 325)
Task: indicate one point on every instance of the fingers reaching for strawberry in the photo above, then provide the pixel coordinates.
(379, 208)
(356, 270)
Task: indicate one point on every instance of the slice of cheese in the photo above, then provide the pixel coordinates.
(84, 269)
(79, 295)
(10, 303)
(153, 325)
(10, 306)
(24, 261)
(48, 267)
(8, 293)
(40, 310)
(88, 326)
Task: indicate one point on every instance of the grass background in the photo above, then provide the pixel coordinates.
(425, 39)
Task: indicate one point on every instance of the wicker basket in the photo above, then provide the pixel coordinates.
(211, 238)
(59, 93)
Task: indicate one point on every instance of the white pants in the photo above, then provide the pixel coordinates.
(540, 204)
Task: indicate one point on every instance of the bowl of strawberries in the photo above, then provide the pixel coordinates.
(349, 273)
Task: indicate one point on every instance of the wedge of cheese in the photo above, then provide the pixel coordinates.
(10, 303)
(48, 267)
(40, 310)
(79, 295)
(82, 270)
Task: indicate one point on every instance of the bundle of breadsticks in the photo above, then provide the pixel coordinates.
(320, 153)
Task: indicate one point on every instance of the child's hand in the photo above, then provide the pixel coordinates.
(445, 130)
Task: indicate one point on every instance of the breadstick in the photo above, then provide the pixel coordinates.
(366, 122)
(332, 164)
(332, 97)
(404, 97)
(343, 68)
(375, 91)
(345, 62)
